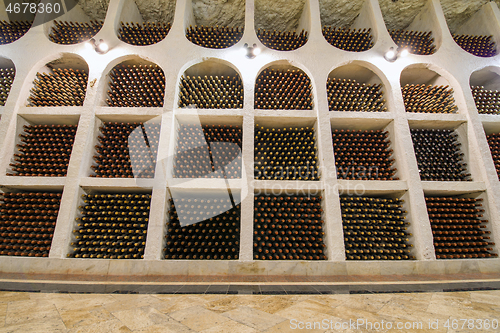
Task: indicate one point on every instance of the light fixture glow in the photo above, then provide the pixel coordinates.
(391, 55)
(251, 51)
(102, 47)
(404, 52)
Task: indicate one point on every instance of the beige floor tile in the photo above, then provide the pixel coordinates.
(9, 296)
(27, 310)
(459, 311)
(225, 303)
(370, 303)
(198, 318)
(110, 326)
(78, 318)
(286, 327)
(254, 318)
(43, 325)
(140, 318)
(230, 326)
(83, 302)
(331, 300)
(178, 303)
(173, 327)
(125, 303)
(406, 314)
(3, 313)
(309, 306)
(273, 304)
(486, 298)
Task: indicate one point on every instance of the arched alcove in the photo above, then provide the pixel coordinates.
(14, 26)
(134, 82)
(142, 24)
(282, 86)
(60, 82)
(413, 27)
(349, 27)
(78, 25)
(354, 87)
(7, 74)
(426, 91)
(485, 87)
(215, 25)
(211, 84)
(473, 26)
(280, 29)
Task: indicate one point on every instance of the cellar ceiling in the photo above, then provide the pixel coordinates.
(285, 14)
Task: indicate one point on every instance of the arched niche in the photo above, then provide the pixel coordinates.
(142, 24)
(418, 21)
(12, 30)
(276, 81)
(210, 84)
(426, 91)
(215, 25)
(279, 29)
(133, 82)
(81, 20)
(7, 75)
(349, 27)
(355, 87)
(485, 87)
(472, 21)
(61, 92)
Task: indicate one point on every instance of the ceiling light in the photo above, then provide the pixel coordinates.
(391, 55)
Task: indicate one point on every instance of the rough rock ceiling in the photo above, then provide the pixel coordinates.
(285, 14)
(278, 15)
(95, 9)
(216, 12)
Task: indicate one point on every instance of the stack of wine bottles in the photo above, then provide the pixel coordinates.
(285, 154)
(112, 226)
(416, 42)
(44, 151)
(6, 79)
(422, 98)
(375, 229)
(211, 92)
(62, 87)
(208, 151)
(282, 40)
(439, 156)
(10, 31)
(288, 227)
(27, 223)
(203, 228)
(457, 227)
(349, 39)
(143, 34)
(487, 101)
(136, 85)
(283, 90)
(494, 143)
(481, 46)
(73, 32)
(126, 150)
(363, 155)
(214, 37)
(349, 95)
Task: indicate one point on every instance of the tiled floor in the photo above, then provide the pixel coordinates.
(53, 312)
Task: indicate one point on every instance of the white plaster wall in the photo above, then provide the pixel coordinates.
(176, 55)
